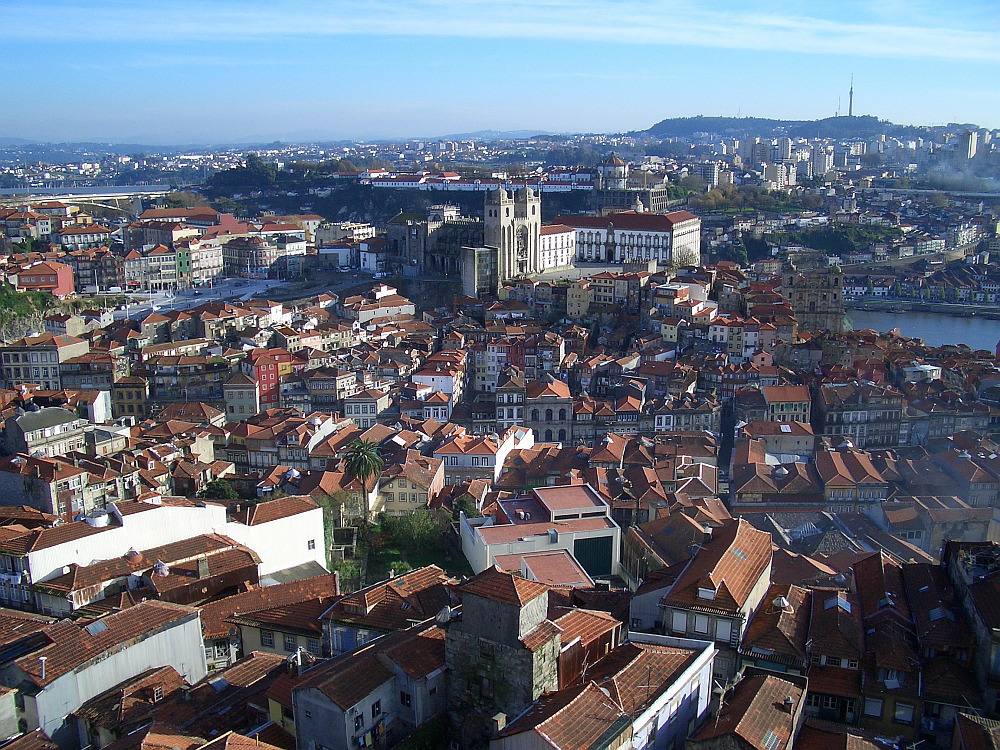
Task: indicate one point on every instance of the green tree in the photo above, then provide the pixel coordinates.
(414, 532)
(465, 504)
(219, 489)
(364, 461)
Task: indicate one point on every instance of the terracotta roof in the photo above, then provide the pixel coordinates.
(634, 674)
(73, 645)
(730, 564)
(157, 736)
(971, 732)
(817, 734)
(755, 713)
(586, 624)
(84, 576)
(131, 702)
(552, 568)
(420, 655)
(350, 678)
(15, 625)
(397, 603)
(785, 393)
(879, 583)
(782, 630)
(506, 588)
(273, 510)
(628, 221)
(215, 614)
(234, 741)
(572, 719)
(34, 740)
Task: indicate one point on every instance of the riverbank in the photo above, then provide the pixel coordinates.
(955, 309)
(935, 329)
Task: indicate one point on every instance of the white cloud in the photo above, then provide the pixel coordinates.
(872, 29)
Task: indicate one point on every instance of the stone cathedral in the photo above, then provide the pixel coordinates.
(513, 222)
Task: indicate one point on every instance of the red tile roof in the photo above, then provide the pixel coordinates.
(629, 221)
(754, 710)
(506, 588)
(215, 614)
(350, 678)
(71, 645)
(397, 603)
(730, 564)
(573, 719)
(273, 510)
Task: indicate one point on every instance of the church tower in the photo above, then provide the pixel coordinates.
(513, 224)
(612, 174)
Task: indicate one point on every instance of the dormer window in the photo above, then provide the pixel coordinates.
(706, 594)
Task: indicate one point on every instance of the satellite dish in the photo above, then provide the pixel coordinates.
(444, 616)
(781, 602)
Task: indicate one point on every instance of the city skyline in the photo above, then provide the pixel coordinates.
(183, 73)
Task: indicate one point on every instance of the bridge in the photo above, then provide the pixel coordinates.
(126, 199)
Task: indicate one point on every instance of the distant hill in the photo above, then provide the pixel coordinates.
(491, 135)
(735, 127)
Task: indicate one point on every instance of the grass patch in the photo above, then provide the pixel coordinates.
(452, 562)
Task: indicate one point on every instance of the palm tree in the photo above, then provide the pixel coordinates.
(363, 461)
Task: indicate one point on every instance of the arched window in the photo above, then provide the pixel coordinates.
(534, 415)
(548, 436)
(562, 435)
(562, 415)
(548, 415)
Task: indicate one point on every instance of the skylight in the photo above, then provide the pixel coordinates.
(837, 601)
(95, 627)
(739, 553)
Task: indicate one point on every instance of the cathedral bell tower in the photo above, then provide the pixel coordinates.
(512, 224)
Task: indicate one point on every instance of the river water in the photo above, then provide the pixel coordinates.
(935, 329)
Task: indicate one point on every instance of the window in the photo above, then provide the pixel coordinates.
(376, 709)
(487, 650)
(679, 622)
(313, 646)
(267, 638)
(405, 699)
(701, 623)
(311, 544)
(904, 713)
(359, 722)
(873, 707)
(723, 630)
(157, 694)
(290, 642)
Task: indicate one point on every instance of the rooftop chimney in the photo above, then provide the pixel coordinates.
(41, 660)
(789, 703)
(498, 722)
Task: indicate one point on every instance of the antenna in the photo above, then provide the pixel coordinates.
(850, 99)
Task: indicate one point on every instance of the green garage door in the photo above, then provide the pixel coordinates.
(594, 555)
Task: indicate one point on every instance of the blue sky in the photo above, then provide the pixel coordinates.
(192, 71)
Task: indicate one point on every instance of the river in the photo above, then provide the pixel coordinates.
(934, 328)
